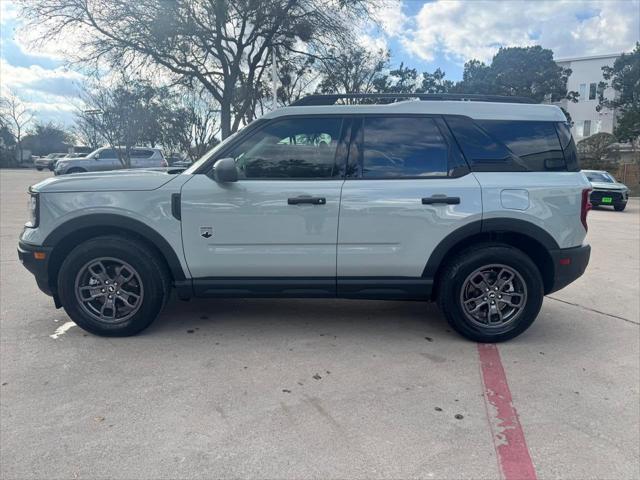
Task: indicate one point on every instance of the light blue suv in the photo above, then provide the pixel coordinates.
(475, 202)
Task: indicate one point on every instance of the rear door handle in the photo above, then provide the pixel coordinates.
(435, 199)
(307, 199)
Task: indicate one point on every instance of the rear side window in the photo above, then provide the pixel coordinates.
(403, 147)
(141, 153)
(535, 143)
(516, 146)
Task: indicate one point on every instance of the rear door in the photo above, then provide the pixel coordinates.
(142, 158)
(407, 188)
(273, 231)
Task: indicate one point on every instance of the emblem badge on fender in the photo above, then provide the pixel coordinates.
(206, 232)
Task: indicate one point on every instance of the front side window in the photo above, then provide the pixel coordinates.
(403, 147)
(296, 148)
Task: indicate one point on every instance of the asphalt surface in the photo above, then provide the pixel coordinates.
(320, 388)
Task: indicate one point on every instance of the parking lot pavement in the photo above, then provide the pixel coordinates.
(323, 388)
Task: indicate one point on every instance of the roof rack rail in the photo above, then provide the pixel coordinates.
(331, 99)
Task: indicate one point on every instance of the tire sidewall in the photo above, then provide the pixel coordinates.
(129, 252)
(474, 260)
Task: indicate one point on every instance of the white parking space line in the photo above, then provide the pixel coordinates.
(62, 329)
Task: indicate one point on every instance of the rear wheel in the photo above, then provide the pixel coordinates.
(39, 169)
(490, 293)
(113, 286)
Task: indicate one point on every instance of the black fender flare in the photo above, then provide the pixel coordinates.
(489, 225)
(101, 220)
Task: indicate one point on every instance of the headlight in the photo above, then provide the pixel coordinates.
(34, 210)
(60, 164)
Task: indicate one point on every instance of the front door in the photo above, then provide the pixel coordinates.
(273, 231)
(408, 187)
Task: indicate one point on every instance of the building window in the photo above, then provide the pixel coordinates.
(583, 91)
(579, 128)
(587, 128)
(592, 91)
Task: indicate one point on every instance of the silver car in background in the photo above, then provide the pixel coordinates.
(106, 158)
(606, 190)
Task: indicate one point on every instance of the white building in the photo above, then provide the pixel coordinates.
(586, 73)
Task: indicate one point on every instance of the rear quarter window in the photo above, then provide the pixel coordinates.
(536, 144)
(501, 145)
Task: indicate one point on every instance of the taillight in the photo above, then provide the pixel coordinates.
(165, 163)
(585, 207)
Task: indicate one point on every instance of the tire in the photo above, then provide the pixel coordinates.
(454, 285)
(80, 275)
(620, 207)
(76, 170)
(39, 169)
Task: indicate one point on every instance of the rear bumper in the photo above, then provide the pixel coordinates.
(39, 268)
(569, 265)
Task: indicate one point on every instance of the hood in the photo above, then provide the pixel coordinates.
(116, 180)
(608, 186)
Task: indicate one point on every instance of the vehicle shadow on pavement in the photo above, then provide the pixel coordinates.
(284, 317)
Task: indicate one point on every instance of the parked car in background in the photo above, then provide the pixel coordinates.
(80, 151)
(47, 162)
(106, 158)
(606, 190)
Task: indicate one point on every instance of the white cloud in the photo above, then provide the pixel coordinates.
(390, 17)
(48, 93)
(462, 30)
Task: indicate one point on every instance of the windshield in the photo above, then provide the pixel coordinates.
(211, 153)
(602, 177)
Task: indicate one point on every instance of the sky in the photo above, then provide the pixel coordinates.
(422, 34)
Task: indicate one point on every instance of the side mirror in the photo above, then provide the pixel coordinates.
(225, 171)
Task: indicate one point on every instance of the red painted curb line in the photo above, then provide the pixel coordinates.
(508, 437)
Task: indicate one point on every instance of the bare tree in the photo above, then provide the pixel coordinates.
(222, 45)
(16, 118)
(352, 70)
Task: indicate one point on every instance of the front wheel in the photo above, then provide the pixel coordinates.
(490, 293)
(113, 286)
(620, 207)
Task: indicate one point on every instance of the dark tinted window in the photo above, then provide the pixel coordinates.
(290, 148)
(138, 153)
(403, 147)
(108, 153)
(536, 144)
(568, 146)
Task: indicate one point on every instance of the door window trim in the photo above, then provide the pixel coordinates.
(455, 169)
(340, 157)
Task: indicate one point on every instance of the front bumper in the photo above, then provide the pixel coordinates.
(38, 267)
(618, 197)
(569, 264)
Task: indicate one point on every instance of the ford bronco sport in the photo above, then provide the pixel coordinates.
(475, 202)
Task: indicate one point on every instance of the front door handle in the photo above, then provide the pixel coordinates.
(435, 199)
(307, 199)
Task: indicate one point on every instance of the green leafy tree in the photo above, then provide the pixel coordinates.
(523, 71)
(435, 83)
(624, 78)
(597, 151)
(45, 138)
